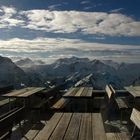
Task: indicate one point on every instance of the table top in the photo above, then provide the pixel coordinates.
(23, 93)
(73, 126)
(79, 92)
(134, 91)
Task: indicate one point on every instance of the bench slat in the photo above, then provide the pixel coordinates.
(6, 123)
(108, 91)
(121, 103)
(6, 101)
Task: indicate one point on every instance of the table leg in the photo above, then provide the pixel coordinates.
(9, 104)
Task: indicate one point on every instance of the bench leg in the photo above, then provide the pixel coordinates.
(121, 117)
(133, 132)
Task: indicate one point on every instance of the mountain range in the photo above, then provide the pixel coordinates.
(72, 70)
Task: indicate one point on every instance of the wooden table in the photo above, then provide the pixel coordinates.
(23, 93)
(79, 92)
(135, 92)
(78, 96)
(73, 126)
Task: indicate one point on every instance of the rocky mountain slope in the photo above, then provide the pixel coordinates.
(71, 70)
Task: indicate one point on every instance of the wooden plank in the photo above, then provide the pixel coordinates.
(113, 90)
(4, 136)
(74, 126)
(121, 104)
(84, 92)
(98, 127)
(60, 103)
(5, 101)
(6, 123)
(98, 91)
(117, 136)
(30, 92)
(16, 92)
(134, 91)
(74, 92)
(7, 113)
(46, 132)
(135, 117)
(108, 91)
(85, 132)
(69, 92)
(89, 93)
(60, 129)
(32, 133)
(79, 92)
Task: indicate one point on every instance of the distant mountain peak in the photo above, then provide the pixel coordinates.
(72, 59)
(25, 62)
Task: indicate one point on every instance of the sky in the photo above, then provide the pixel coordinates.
(51, 29)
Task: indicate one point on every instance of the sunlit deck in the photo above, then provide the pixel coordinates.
(81, 113)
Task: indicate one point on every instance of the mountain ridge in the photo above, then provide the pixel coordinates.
(74, 69)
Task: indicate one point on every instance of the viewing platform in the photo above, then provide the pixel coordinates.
(81, 113)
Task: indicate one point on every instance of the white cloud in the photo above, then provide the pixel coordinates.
(54, 7)
(91, 23)
(85, 2)
(112, 24)
(117, 10)
(8, 10)
(50, 49)
(7, 20)
(53, 44)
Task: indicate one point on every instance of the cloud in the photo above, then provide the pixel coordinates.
(52, 44)
(87, 8)
(7, 19)
(50, 49)
(117, 10)
(95, 23)
(54, 7)
(86, 23)
(85, 2)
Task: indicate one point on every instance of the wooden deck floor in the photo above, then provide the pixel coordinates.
(68, 125)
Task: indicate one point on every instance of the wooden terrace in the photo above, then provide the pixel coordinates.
(82, 113)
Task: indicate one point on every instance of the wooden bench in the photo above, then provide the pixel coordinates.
(4, 90)
(117, 136)
(7, 113)
(73, 126)
(6, 122)
(135, 118)
(4, 102)
(109, 93)
(119, 101)
(61, 103)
